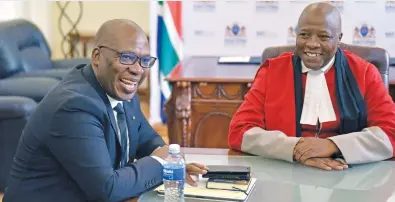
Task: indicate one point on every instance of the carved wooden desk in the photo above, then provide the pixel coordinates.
(205, 95)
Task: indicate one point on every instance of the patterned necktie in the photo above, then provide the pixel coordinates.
(121, 119)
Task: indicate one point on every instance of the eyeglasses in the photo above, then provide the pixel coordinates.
(129, 58)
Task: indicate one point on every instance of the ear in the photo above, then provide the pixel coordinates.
(95, 57)
(340, 38)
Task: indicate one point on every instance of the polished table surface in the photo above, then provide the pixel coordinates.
(280, 181)
(206, 69)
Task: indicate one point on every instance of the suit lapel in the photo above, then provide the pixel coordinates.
(115, 141)
(91, 78)
(133, 125)
(110, 114)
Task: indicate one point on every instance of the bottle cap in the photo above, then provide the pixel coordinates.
(174, 148)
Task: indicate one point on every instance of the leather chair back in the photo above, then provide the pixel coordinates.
(22, 48)
(392, 62)
(379, 57)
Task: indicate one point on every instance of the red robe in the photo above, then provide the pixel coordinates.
(265, 122)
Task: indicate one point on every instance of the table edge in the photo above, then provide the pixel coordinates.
(213, 151)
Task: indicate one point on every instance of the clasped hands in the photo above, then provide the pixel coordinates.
(317, 152)
(191, 168)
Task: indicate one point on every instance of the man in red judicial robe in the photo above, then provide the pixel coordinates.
(320, 106)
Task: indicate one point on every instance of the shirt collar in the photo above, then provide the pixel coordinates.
(323, 69)
(113, 101)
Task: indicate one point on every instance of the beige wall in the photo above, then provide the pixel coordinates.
(94, 14)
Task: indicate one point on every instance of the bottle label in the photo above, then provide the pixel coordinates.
(174, 174)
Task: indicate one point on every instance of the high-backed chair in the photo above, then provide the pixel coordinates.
(379, 57)
(392, 62)
(26, 67)
(25, 51)
(14, 112)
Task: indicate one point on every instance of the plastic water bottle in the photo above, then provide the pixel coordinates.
(174, 175)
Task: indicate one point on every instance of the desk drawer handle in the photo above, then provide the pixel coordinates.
(183, 84)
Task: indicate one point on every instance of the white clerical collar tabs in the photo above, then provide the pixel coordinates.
(323, 69)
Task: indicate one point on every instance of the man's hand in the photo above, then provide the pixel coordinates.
(325, 163)
(314, 147)
(162, 152)
(194, 169)
(191, 168)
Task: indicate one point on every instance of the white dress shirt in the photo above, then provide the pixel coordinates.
(317, 105)
(114, 103)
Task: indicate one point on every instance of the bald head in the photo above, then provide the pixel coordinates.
(319, 33)
(119, 58)
(115, 32)
(322, 10)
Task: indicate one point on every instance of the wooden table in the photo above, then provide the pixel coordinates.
(204, 97)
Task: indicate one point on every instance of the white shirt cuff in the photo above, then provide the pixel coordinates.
(160, 160)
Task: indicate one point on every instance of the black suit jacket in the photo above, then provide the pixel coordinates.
(69, 149)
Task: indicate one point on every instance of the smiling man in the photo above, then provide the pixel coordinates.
(88, 139)
(320, 106)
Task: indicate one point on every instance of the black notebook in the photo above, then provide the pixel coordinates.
(228, 172)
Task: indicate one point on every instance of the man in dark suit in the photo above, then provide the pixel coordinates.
(88, 139)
